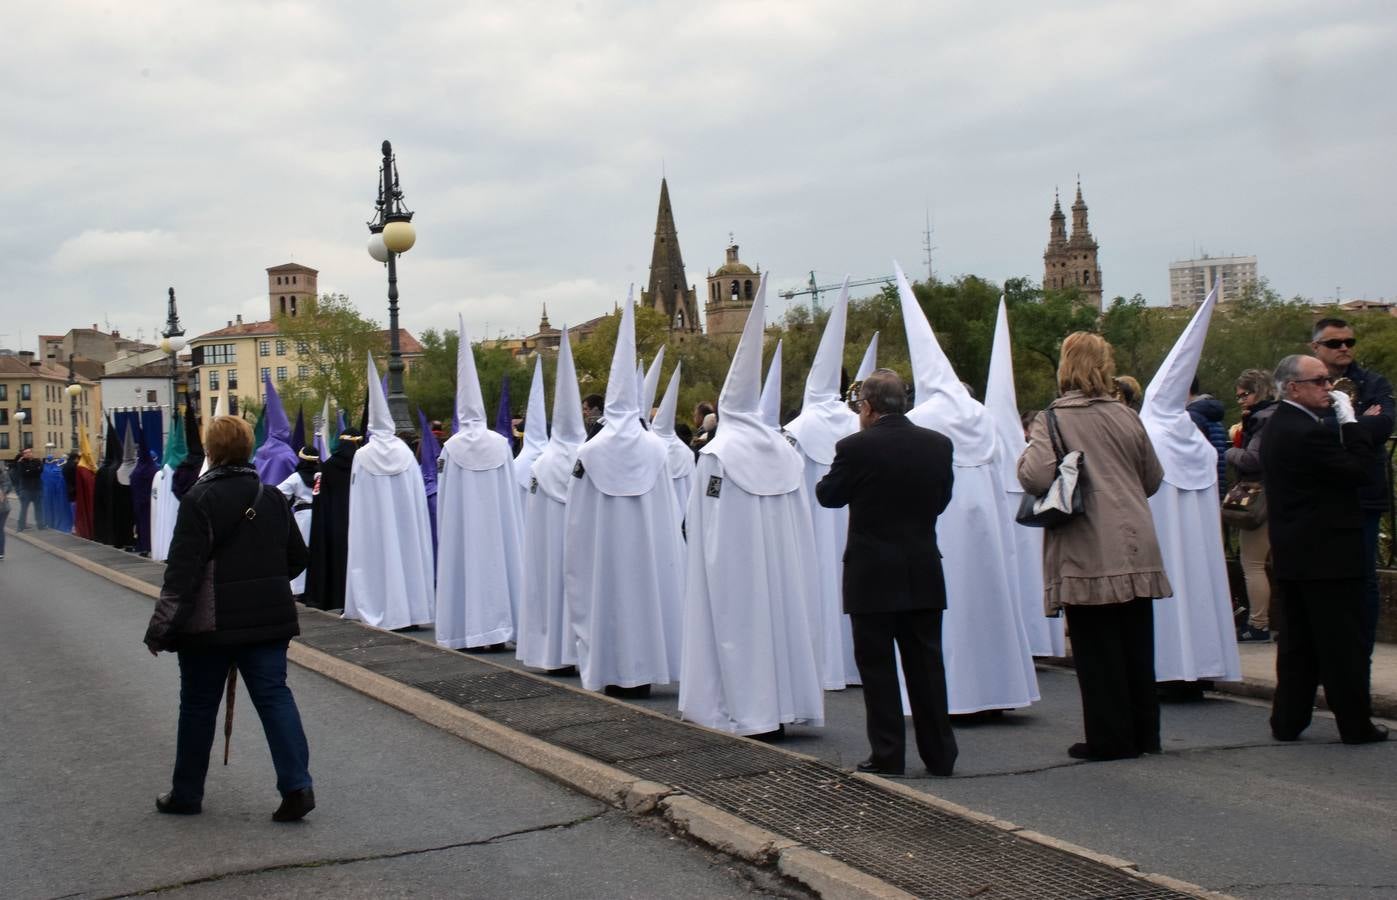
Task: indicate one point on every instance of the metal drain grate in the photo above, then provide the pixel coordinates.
(632, 738)
(488, 687)
(541, 715)
(693, 767)
(338, 640)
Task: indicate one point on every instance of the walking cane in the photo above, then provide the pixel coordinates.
(228, 710)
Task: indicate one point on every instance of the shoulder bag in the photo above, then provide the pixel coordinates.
(1244, 506)
(1063, 499)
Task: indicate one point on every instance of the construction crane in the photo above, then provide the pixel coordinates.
(815, 290)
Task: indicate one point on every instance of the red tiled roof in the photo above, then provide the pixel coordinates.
(293, 267)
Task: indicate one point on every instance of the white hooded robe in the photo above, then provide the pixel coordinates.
(535, 434)
(681, 458)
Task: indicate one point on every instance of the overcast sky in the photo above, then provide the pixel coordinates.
(150, 144)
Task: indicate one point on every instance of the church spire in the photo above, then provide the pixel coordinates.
(1057, 223)
(1081, 234)
(172, 326)
(669, 290)
(543, 320)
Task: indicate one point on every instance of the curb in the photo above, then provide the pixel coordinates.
(688, 816)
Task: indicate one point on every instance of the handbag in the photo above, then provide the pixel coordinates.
(1062, 501)
(1244, 506)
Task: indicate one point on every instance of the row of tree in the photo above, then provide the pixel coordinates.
(1252, 331)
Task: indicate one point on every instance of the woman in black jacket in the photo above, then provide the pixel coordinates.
(226, 603)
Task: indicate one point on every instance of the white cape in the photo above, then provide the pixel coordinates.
(389, 577)
(164, 509)
(751, 616)
(1194, 633)
(622, 565)
(295, 489)
(544, 639)
(480, 564)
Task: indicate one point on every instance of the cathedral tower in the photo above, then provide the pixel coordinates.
(1072, 261)
(731, 291)
(669, 290)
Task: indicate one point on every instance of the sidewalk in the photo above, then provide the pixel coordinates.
(1259, 676)
(838, 833)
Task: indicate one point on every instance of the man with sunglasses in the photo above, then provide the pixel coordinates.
(1333, 343)
(1313, 475)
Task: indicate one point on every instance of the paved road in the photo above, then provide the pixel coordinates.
(87, 737)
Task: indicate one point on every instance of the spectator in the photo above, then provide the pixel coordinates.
(29, 484)
(226, 604)
(1333, 343)
(1206, 412)
(1256, 397)
(1128, 391)
(1104, 566)
(4, 504)
(1313, 476)
(593, 406)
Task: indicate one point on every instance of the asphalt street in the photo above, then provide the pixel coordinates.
(87, 729)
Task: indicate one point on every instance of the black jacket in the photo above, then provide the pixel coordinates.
(228, 578)
(1373, 390)
(896, 478)
(1312, 481)
(28, 475)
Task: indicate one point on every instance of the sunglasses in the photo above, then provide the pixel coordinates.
(1336, 343)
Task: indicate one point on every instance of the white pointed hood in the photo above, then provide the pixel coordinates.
(1002, 402)
(624, 459)
(757, 458)
(651, 385)
(474, 446)
(535, 427)
(943, 403)
(553, 468)
(825, 418)
(770, 401)
(384, 453)
(870, 359)
(681, 458)
(1190, 461)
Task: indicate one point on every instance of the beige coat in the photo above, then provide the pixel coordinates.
(1110, 553)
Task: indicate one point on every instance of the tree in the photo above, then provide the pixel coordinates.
(333, 342)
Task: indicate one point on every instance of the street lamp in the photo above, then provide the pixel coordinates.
(391, 233)
(172, 343)
(73, 389)
(20, 417)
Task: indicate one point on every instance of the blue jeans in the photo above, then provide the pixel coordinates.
(1372, 602)
(26, 500)
(203, 675)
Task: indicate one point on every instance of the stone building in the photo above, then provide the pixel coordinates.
(669, 290)
(38, 388)
(1072, 261)
(732, 288)
(1190, 280)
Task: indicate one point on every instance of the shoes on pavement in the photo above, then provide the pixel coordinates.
(639, 692)
(295, 805)
(1378, 734)
(770, 737)
(1083, 752)
(872, 768)
(169, 804)
(564, 672)
(1252, 633)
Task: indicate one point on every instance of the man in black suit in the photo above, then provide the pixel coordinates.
(1312, 477)
(896, 479)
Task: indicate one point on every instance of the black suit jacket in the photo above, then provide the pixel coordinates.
(1312, 481)
(896, 478)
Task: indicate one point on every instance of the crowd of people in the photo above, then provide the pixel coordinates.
(761, 564)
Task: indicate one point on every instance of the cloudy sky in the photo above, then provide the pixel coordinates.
(150, 144)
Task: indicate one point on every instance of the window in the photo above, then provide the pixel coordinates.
(150, 397)
(281, 348)
(220, 354)
(232, 379)
(26, 441)
(24, 392)
(4, 417)
(4, 440)
(265, 373)
(213, 405)
(4, 392)
(264, 348)
(232, 406)
(194, 380)
(747, 289)
(213, 379)
(303, 347)
(280, 374)
(278, 279)
(303, 372)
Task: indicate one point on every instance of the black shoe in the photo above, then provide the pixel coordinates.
(564, 672)
(1252, 633)
(1378, 734)
(639, 692)
(166, 803)
(1082, 751)
(295, 805)
(870, 767)
(770, 736)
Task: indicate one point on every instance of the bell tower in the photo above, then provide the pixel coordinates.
(291, 290)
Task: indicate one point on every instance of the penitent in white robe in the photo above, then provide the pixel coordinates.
(544, 638)
(164, 509)
(388, 583)
(736, 554)
(480, 563)
(298, 493)
(831, 535)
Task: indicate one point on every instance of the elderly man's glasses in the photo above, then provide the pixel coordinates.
(857, 403)
(1322, 379)
(1336, 343)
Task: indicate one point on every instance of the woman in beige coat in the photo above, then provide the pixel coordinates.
(1103, 567)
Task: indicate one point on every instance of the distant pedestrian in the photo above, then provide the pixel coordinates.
(226, 605)
(1256, 396)
(1206, 412)
(28, 479)
(4, 504)
(1313, 476)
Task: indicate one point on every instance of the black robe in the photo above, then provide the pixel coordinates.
(329, 531)
(103, 482)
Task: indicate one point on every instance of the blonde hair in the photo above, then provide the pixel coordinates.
(1087, 365)
(228, 440)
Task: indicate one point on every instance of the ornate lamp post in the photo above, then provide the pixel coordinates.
(172, 342)
(391, 233)
(74, 391)
(20, 417)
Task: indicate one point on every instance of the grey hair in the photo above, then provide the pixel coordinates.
(885, 392)
(1287, 370)
(1258, 381)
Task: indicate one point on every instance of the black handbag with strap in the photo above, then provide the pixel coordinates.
(1063, 499)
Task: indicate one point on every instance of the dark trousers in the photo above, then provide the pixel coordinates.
(26, 500)
(1113, 650)
(203, 677)
(1372, 600)
(917, 635)
(4, 514)
(1322, 644)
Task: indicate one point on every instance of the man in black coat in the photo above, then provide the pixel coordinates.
(896, 479)
(27, 473)
(1312, 476)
